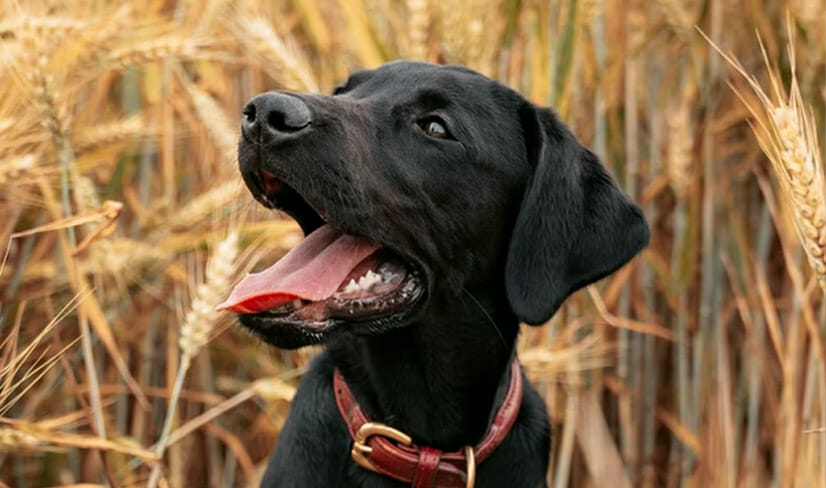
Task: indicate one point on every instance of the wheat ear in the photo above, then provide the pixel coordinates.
(785, 129)
(198, 324)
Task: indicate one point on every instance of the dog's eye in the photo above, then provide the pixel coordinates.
(435, 127)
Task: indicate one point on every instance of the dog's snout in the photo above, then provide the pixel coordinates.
(272, 116)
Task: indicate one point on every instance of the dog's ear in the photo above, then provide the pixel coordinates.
(574, 226)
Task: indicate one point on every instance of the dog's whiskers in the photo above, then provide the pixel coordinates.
(490, 319)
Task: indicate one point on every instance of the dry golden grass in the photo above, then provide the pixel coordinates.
(702, 364)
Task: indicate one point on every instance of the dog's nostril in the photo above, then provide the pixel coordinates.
(282, 122)
(271, 117)
(249, 113)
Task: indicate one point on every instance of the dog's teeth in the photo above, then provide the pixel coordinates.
(351, 287)
(364, 283)
(297, 303)
(368, 280)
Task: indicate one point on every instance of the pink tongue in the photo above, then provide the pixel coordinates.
(313, 270)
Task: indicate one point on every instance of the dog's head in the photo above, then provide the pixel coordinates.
(420, 185)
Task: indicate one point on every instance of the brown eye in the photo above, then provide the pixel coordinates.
(435, 127)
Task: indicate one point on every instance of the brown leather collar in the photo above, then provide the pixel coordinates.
(385, 450)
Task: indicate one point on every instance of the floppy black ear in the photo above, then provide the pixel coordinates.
(574, 225)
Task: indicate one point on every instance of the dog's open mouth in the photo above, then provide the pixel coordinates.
(331, 277)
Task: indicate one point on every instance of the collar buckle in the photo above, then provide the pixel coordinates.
(369, 429)
(470, 469)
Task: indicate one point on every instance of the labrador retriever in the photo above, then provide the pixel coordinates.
(441, 210)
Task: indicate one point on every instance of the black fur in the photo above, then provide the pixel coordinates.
(501, 223)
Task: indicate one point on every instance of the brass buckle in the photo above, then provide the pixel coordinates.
(470, 460)
(369, 429)
(361, 449)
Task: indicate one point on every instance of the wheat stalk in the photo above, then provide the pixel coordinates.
(96, 42)
(215, 120)
(786, 131)
(419, 23)
(258, 37)
(155, 50)
(809, 11)
(121, 258)
(198, 325)
(12, 439)
(677, 17)
(590, 10)
(202, 315)
(35, 27)
(108, 134)
(680, 145)
(16, 168)
(205, 205)
(462, 35)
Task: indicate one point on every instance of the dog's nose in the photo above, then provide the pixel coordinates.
(272, 116)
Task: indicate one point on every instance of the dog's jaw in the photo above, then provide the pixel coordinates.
(380, 293)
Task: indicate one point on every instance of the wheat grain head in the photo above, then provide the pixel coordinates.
(205, 205)
(418, 26)
(260, 40)
(202, 316)
(786, 132)
(680, 144)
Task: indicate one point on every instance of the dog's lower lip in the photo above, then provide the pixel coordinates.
(281, 326)
(272, 185)
(351, 305)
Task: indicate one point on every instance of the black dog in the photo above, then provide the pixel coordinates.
(442, 209)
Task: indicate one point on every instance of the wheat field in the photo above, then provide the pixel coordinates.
(123, 221)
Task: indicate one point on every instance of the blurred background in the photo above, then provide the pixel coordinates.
(123, 221)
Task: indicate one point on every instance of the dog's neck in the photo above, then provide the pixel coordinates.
(437, 382)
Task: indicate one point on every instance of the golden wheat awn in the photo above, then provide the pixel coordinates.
(87, 57)
(30, 27)
(808, 10)
(12, 439)
(147, 51)
(590, 10)
(205, 205)
(202, 316)
(121, 258)
(44, 86)
(792, 148)
(677, 17)
(15, 168)
(223, 133)
(786, 131)
(419, 25)
(97, 135)
(262, 43)
(462, 31)
(679, 155)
